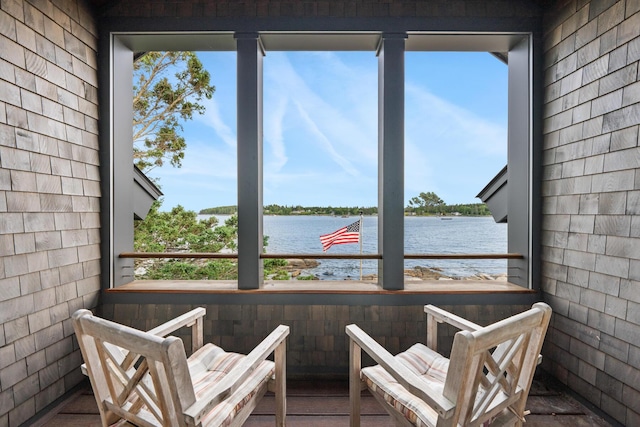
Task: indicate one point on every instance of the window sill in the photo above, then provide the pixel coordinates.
(322, 287)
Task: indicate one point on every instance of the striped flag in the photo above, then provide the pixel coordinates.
(348, 234)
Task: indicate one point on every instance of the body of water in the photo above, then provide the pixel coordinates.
(451, 235)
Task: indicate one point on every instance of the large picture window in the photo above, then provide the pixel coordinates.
(253, 183)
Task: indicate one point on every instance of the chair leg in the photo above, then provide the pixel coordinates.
(355, 362)
(281, 384)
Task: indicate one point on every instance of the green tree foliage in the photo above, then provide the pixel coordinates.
(426, 202)
(274, 209)
(222, 269)
(474, 209)
(168, 88)
(220, 210)
(180, 231)
(431, 204)
(295, 210)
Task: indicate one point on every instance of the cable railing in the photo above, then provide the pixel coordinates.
(345, 266)
(216, 255)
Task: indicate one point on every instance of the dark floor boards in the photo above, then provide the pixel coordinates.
(326, 404)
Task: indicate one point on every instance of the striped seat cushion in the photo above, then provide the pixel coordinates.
(211, 364)
(208, 366)
(425, 363)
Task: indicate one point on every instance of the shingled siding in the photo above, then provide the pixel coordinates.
(323, 8)
(317, 344)
(49, 198)
(591, 201)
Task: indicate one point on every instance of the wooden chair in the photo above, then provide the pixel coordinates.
(486, 380)
(145, 379)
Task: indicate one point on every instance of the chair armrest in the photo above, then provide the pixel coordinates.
(437, 315)
(193, 318)
(401, 373)
(237, 375)
(444, 316)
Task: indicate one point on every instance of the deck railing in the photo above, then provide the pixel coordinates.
(215, 255)
(324, 256)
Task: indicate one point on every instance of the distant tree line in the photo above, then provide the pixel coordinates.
(428, 204)
(220, 210)
(295, 210)
(318, 210)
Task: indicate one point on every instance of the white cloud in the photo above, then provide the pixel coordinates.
(205, 160)
(346, 165)
(333, 116)
(273, 137)
(419, 170)
(445, 123)
(213, 119)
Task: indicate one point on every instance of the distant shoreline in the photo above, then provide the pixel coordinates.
(355, 216)
(468, 209)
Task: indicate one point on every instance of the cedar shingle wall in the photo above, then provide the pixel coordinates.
(49, 195)
(591, 194)
(317, 343)
(323, 8)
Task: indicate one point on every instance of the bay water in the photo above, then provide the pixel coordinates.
(300, 234)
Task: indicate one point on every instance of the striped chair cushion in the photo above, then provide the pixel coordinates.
(430, 366)
(425, 363)
(209, 365)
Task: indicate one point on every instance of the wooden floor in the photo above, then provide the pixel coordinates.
(326, 404)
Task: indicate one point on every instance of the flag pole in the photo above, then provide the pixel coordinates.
(360, 228)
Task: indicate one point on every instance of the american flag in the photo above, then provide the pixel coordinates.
(348, 234)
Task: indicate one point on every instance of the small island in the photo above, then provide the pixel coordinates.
(426, 204)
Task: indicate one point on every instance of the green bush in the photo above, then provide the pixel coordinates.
(181, 270)
(281, 275)
(275, 263)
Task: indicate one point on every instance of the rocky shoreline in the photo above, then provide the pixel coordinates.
(299, 268)
(296, 267)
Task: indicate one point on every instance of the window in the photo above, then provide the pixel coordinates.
(391, 49)
(455, 143)
(197, 172)
(320, 150)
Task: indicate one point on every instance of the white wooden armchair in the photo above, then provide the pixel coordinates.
(486, 380)
(145, 379)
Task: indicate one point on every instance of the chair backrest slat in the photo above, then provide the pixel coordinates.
(159, 382)
(494, 366)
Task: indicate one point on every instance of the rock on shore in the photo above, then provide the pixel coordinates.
(434, 273)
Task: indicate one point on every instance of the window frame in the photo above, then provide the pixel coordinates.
(523, 204)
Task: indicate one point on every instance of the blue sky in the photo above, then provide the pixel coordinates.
(320, 130)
